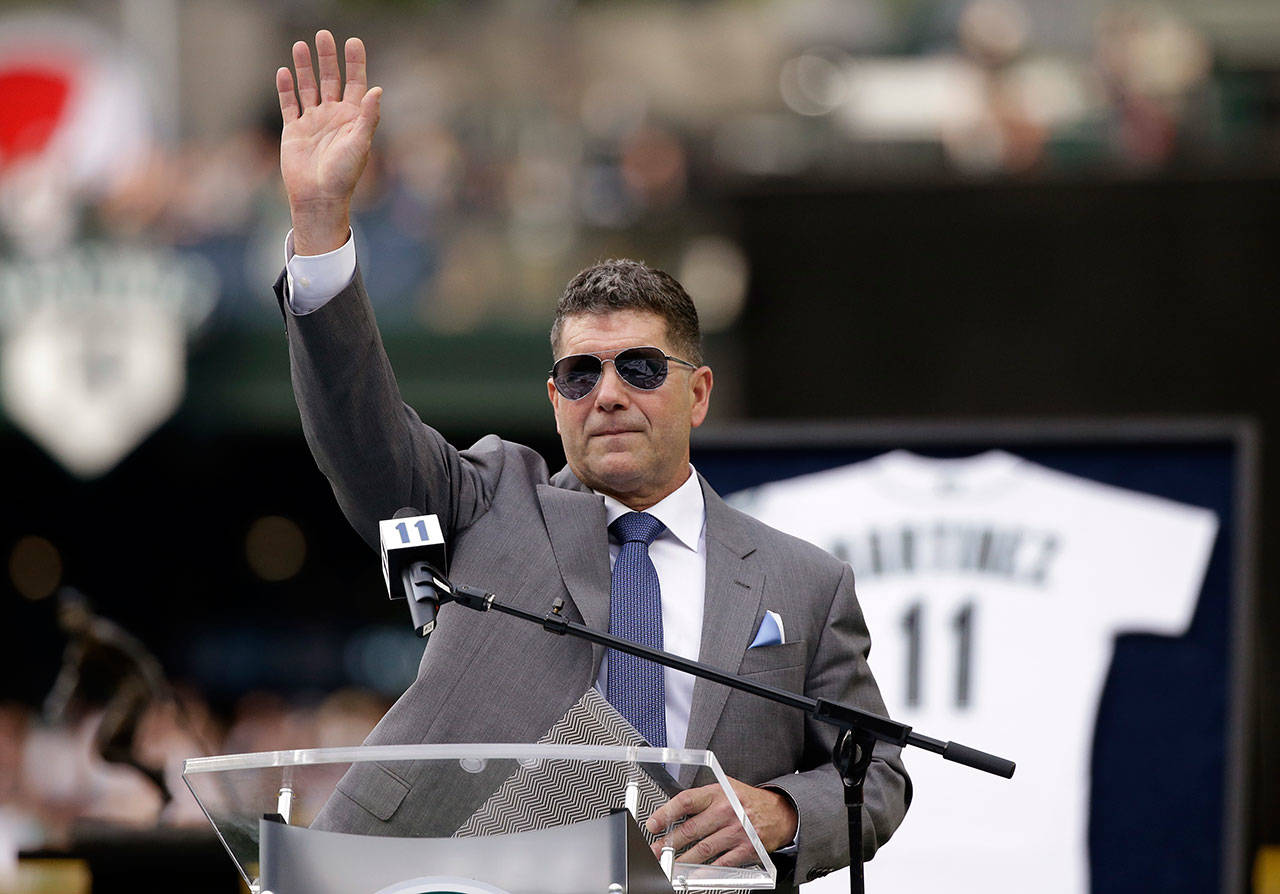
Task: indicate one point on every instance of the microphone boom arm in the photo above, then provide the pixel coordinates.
(844, 717)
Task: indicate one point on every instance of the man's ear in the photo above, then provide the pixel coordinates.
(554, 397)
(700, 382)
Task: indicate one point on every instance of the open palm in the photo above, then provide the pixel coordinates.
(328, 130)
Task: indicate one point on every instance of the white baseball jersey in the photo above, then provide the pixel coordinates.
(993, 589)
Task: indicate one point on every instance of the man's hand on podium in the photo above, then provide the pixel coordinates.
(711, 832)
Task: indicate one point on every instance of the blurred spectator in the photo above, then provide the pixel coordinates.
(1152, 63)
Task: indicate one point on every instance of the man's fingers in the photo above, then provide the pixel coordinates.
(708, 848)
(357, 79)
(665, 815)
(741, 855)
(689, 833)
(687, 803)
(371, 109)
(700, 825)
(307, 91)
(327, 56)
(288, 99)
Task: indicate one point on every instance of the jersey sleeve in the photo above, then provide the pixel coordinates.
(1151, 556)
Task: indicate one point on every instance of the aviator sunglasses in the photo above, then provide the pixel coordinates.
(576, 375)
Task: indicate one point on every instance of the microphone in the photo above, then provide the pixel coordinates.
(412, 554)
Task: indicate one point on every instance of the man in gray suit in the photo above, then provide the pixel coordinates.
(628, 387)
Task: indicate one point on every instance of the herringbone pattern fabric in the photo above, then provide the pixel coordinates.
(549, 793)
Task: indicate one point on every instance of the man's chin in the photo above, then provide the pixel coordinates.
(613, 475)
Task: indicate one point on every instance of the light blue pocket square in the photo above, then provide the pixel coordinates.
(770, 632)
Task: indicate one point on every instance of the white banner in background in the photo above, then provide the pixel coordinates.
(94, 345)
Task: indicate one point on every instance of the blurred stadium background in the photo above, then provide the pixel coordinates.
(885, 209)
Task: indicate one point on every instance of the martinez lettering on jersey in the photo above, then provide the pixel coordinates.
(1015, 554)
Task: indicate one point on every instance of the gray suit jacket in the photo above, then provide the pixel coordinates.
(531, 537)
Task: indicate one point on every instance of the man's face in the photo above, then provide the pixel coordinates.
(623, 441)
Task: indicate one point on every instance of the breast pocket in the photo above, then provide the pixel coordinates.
(778, 665)
(758, 738)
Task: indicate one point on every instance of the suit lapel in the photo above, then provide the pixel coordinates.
(731, 604)
(575, 520)
(576, 525)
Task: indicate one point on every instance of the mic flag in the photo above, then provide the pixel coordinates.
(412, 549)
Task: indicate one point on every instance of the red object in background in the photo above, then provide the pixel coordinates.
(32, 102)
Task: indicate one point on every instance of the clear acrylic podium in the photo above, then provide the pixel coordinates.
(468, 819)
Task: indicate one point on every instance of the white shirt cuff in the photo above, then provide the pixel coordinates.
(312, 280)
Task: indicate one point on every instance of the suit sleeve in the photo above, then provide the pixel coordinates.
(839, 672)
(375, 451)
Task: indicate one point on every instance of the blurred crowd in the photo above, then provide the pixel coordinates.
(518, 140)
(54, 778)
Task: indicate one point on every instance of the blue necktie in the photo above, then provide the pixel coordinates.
(635, 614)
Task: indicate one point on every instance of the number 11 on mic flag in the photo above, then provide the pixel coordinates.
(406, 539)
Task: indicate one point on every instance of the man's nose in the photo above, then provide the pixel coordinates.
(611, 393)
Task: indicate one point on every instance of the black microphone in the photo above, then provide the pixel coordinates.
(412, 554)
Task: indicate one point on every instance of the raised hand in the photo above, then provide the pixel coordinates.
(328, 130)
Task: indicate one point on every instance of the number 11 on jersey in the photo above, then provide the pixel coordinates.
(961, 625)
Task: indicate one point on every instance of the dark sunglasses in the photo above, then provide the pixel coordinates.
(645, 368)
